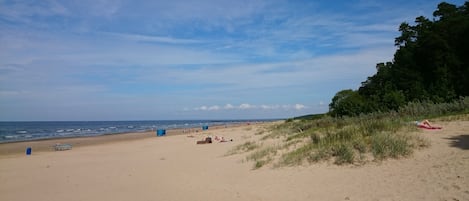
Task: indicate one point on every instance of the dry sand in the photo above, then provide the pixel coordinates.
(175, 168)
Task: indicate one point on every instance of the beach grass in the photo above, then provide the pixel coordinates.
(242, 148)
(262, 156)
(350, 140)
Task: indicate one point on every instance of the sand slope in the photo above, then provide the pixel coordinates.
(175, 168)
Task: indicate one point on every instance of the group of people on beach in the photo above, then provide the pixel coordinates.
(210, 139)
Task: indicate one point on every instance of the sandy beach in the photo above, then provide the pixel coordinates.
(174, 167)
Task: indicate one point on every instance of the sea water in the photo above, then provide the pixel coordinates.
(35, 130)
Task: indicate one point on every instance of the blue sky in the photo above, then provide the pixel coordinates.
(207, 59)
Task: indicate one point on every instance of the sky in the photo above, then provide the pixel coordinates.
(176, 60)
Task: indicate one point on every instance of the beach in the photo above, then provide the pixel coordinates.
(173, 167)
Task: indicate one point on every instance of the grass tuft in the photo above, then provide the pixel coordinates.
(344, 154)
(296, 156)
(242, 148)
(387, 145)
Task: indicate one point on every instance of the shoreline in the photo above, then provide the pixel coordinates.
(46, 145)
(24, 131)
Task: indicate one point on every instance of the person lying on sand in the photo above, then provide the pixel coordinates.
(222, 139)
(426, 124)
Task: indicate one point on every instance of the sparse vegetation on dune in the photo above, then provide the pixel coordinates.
(348, 140)
(247, 146)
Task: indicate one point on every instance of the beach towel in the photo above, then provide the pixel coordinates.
(429, 127)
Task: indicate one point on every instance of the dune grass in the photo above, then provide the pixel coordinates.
(262, 156)
(350, 140)
(246, 147)
(375, 136)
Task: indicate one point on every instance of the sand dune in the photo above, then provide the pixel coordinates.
(175, 168)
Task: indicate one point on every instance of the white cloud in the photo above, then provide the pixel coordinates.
(208, 108)
(299, 106)
(215, 107)
(228, 107)
(247, 106)
(269, 107)
(201, 108)
(155, 39)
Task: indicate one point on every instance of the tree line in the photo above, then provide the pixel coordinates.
(431, 63)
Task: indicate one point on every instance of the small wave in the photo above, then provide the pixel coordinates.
(21, 132)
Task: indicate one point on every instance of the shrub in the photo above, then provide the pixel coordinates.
(344, 154)
(386, 145)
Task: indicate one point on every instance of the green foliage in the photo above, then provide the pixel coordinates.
(393, 100)
(430, 64)
(426, 109)
(347, 103)
(309, 117)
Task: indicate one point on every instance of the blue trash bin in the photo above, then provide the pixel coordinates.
(204, 127)
(160, 132)
(28, 151)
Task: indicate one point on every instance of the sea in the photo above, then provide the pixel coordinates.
(17, 131)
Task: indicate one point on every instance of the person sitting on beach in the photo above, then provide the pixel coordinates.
(207, 140)
(426, 124)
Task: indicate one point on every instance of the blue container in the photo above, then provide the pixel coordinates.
(160, 132)
(204, 127)
(28, 151)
